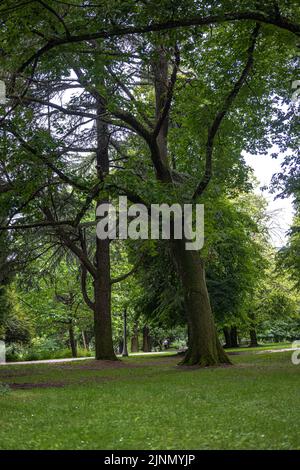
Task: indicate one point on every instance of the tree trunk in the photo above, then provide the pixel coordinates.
(120, 346)
(204, 347)
(135, 339)
(125, 350)
(102, 285)
(72, 340)
(227, 336)
(102, 308)
(234, 337)
(146, 340)
(85, 340)
(252, 332)
(253, 339)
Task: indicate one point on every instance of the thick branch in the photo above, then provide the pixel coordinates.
(169, 95)
(222, 113)
(258, 16)
(129, 273)
(45, 160)
(85, 295)
(39, 224)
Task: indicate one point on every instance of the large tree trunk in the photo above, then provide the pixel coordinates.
(204, 347)
(72, 340)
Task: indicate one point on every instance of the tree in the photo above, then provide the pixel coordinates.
(159, 57)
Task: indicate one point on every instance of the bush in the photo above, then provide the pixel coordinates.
(4, 389)
(41, 350)
(279, 330)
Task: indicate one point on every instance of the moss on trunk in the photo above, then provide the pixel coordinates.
(204, 347)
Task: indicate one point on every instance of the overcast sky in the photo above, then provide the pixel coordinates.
(264, 167)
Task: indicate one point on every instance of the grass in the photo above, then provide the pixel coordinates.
(148, 402)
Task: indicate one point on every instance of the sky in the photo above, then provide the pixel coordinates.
(281, 210)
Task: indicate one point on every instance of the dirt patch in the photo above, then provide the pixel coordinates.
(99, 365)
(29, 385)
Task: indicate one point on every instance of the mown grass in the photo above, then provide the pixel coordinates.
(151, 403)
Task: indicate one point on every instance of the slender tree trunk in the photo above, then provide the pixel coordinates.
(146, 340)
(252, 332)
(253, 339)
(135, 339)
(204, 346)
(102, 285)
(72, 340)
(84, 340)
(102, 308)
(234, 337)
(227, 336)
(125, 350)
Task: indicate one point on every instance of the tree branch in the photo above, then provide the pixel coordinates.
(222, 113)
(169, 96)
(257, 16)
(129, 273)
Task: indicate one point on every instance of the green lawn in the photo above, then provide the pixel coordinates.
(151, 403)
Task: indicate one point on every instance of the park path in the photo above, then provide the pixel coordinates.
(71, 359)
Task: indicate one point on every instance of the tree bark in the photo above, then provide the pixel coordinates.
(204, 347)
(85, 340)
(102, 307)
(253, 339)
(146, 340)
(252, 332)
(227, 337)
(102, 285)
(72, 340)
(135, 339)
(234, 337)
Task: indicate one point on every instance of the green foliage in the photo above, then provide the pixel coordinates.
(287, 329)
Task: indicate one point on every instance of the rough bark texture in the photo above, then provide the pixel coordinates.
(204, 347)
